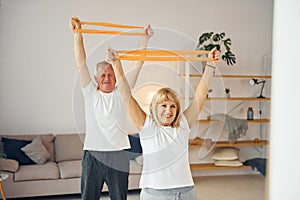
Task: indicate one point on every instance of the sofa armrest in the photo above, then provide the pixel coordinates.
(9, 165)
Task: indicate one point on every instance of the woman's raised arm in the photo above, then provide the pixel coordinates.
(136, 113)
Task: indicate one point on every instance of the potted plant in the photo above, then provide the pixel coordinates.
(207, 41)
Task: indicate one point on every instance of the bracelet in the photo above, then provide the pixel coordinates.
(210, 66)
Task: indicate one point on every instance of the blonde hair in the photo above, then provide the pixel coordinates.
(163, 95)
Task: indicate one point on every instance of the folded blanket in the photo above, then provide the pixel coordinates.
(235, 127)
(257, 163)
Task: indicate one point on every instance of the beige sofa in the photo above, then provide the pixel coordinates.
(59, 175)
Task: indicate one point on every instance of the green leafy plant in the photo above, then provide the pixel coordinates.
(2, 155)
(207, 41)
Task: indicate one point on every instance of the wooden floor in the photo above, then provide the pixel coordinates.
(237, 187)
(245, 187)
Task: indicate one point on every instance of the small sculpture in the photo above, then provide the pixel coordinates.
(227, 91)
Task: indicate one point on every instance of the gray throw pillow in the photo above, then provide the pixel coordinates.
(36, 151)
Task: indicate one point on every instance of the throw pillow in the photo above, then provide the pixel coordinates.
(229, 163)
(136, 148)
(225, 153)
(36, 151)
(12, 150)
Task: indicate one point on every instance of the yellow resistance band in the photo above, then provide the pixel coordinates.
(96, 31)
(162, 55)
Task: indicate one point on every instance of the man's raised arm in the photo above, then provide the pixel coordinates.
(137, 66)
(80, 56)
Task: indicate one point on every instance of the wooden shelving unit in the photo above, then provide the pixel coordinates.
(235, 99)
(205, 121)
(211, 166)
(240, 143)
(230, 76)
(239, 99)
(257, 142)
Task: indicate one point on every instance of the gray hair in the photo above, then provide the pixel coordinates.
(101, 65)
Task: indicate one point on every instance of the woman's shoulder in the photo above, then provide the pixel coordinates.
(149, 123)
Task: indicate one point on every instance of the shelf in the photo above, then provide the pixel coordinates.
(231, 76)
(239, 98)
(205, 121)
(240, 143)
(233, 99)
(197, 143)
(211, 166)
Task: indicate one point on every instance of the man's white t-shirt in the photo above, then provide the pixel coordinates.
(107, 121)
(165, 156)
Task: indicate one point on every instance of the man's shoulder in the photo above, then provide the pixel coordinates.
(89, 89)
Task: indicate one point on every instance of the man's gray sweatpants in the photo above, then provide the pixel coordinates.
(110, 167)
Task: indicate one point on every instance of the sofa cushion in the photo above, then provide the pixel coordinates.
(70, 169)
(12, 150)
(135, 168)
(36, 151)
(139, 160)
(49, 170)
(68, 147)
(9, 165)
(47, 140)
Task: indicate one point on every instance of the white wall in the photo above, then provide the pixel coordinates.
(39, 90)
(284, 139)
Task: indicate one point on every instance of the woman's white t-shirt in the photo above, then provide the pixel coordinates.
(165, 156)
(107, 121)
